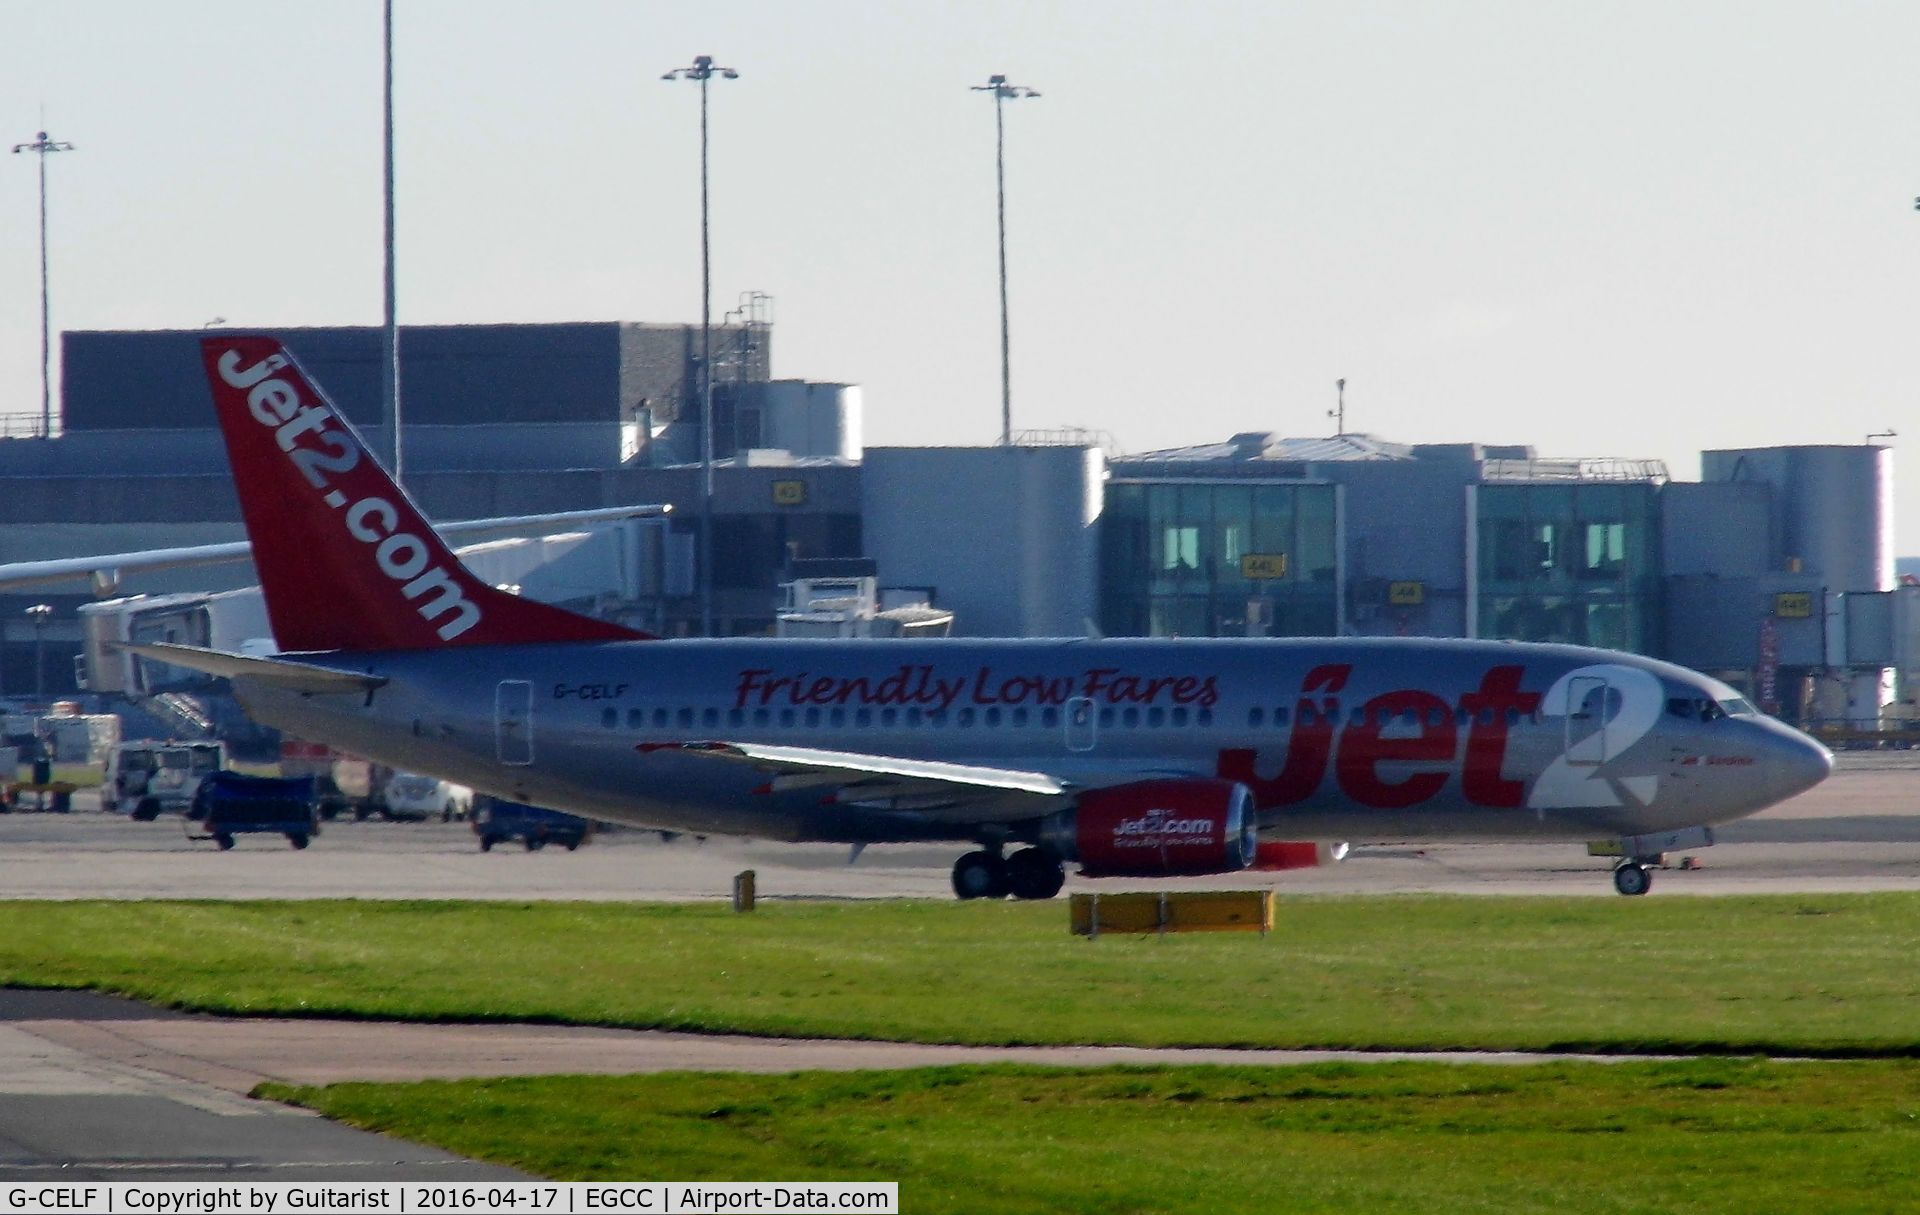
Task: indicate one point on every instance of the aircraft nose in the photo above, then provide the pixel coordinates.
(1800, 763)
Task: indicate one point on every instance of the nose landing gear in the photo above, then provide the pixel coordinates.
(1031, 873)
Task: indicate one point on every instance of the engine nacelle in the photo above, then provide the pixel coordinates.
(1158, 827)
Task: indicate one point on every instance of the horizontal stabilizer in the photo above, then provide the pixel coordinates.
(294, 676)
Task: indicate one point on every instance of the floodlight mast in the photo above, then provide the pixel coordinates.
(1002, 93)
(702, 70)
(42, 147)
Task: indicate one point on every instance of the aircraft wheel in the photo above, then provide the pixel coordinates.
(534, 845)
(1035, 873)
(297, 839)
(225, 841)
(147, 810)
(980, 875)
(486, 843)
(1632, 878)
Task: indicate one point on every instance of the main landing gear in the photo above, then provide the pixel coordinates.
(1031, 873)
(1633, 876)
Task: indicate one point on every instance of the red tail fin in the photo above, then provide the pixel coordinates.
(346, 560)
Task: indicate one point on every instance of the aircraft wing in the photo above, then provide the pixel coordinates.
(104, 570)
(889, 782)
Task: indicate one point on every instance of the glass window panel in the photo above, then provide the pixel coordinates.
(1316, 561)
(1272, 524)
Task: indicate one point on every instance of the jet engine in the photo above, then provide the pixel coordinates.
(1157, 827)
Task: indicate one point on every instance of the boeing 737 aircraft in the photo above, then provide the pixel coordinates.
(1141, 757)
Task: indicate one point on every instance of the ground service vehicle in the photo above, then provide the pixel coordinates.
(414, 796)
(145, 778)
(229, 804)
(1127, 756)
(497, 821)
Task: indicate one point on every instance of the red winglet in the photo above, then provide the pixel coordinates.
(346, 560)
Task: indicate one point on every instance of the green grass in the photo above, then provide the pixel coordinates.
(1699, 1136)
(1811, 974)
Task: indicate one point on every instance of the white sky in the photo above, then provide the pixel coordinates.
(1606, 229)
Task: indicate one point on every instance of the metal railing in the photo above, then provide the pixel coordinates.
(23, 424)
(1595, 468)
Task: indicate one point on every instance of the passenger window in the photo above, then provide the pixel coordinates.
(1513, 717)
(786, 717)
(914, 717)
(1409, 717)
(710, 718)
(684, 718)
(609, 718)
(636, 718)
(1156, 717)
(736, 717)
(1049, 718)
(659, 719)
(1359, 716)
(1436, 717)
(1279, 718)
(1179, 716)
(963, 718)
(1106, 717)
(813, 717)
(1485, 717)
(837, 718)
(1130, 717)
(863, 718)
(762, 717)
(889, 716)
(1255, 717)
(1205, 717)
(937, 718)
(991, 717)
(1019, 718)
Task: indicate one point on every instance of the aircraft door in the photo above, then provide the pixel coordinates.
(1591, 704)
(513, 722)
(1078, 721)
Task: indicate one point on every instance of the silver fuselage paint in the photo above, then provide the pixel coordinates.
(1601, 752)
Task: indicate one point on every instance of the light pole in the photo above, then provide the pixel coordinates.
(390, 323)
(38, 614)
(703, 70)
(1002, 93)
(43, 147)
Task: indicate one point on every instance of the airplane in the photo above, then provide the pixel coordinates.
(104, 570)
(1125, 756)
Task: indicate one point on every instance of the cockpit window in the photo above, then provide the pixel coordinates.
(1703, 709)
(1739, 706)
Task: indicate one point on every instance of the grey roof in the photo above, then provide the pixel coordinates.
(1263, 445)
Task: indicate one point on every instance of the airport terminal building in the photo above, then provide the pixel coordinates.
(1774, 571)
